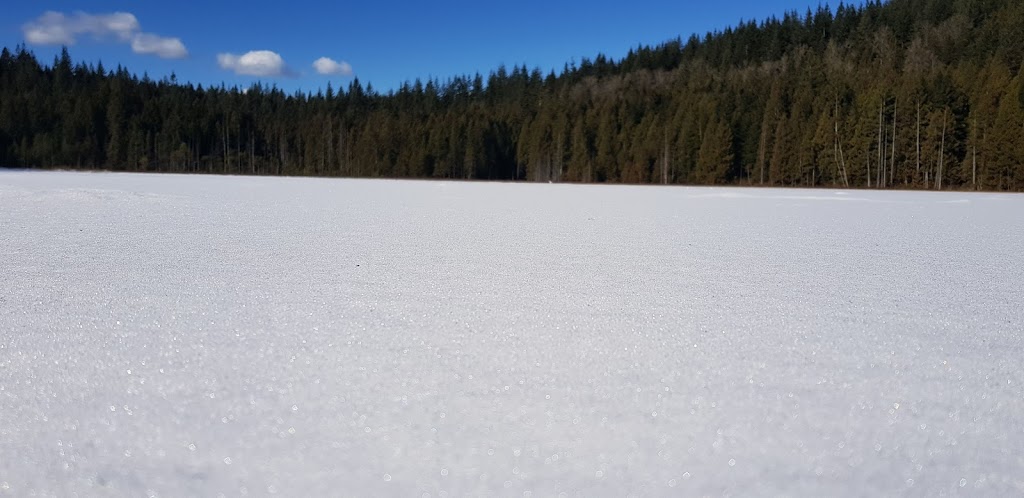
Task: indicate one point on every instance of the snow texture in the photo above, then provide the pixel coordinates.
(197, 335)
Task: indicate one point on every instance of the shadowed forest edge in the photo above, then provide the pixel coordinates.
(902, 94)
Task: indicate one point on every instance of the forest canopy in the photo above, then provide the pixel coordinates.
(900, 94)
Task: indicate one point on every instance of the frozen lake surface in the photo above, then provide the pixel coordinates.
(200, 335)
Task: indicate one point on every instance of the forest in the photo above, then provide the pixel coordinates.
(909, 94)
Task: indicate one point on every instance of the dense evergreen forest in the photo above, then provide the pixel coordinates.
(902, 94)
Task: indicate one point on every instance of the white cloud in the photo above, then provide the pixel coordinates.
(49, 29)
(56, 28)
(254, 63)
(168, 48)
(53, 28)
(325, 65)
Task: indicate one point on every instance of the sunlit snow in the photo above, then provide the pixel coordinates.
(196, 335)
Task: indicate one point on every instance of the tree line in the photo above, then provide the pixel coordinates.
(898, 94)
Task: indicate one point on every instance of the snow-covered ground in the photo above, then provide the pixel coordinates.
(199, 335)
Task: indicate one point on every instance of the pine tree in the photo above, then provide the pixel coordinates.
(716, 154)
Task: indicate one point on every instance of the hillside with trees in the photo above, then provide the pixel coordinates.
(921, 94)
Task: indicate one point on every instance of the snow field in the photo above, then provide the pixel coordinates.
(197, 335)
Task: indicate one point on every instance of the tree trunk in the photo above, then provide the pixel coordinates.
(942, 153)
(892, 163)
(881, 147)
(761, 152)
(252, 152)
(839, 147)
(974, 168)
(238, 143)
(664, 162)
(918, 146)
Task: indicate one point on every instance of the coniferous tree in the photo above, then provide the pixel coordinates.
(904, 93)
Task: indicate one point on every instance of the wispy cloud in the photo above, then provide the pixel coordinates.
(325, 65)
(168, 48)
(57, 28)
(254, 63)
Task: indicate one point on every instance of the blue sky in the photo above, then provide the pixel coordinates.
(380, 43)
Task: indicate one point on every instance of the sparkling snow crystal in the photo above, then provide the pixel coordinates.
(195, 335)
